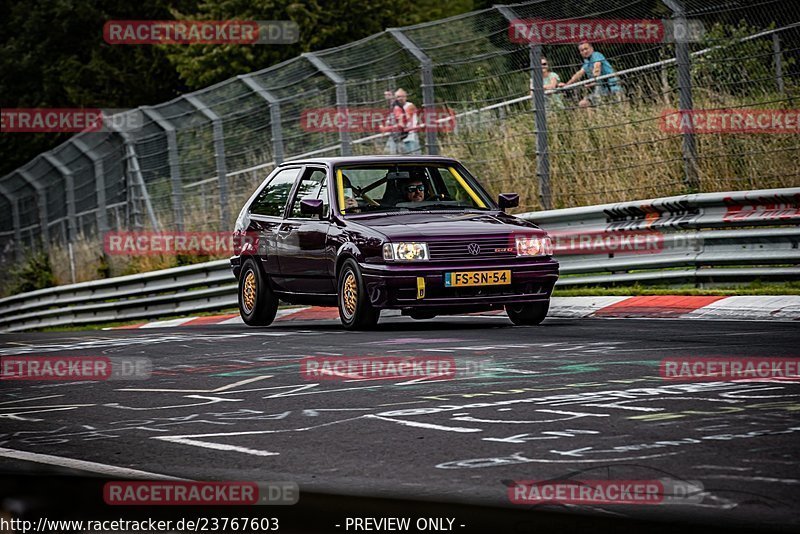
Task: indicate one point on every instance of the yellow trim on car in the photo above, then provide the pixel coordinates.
(468, 189)
(340, 190)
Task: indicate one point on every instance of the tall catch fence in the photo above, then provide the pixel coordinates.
(195, 159)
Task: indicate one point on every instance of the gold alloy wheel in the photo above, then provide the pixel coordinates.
(349, 294)
(249, 291)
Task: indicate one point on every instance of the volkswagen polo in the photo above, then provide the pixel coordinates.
(370, 233)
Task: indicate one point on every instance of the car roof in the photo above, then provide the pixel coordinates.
(355, 160)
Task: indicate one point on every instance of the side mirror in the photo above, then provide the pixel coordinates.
(508, 200)
(311, 206)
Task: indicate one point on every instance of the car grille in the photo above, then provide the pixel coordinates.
(460, 249)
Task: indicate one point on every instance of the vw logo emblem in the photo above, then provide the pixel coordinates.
(474, 249)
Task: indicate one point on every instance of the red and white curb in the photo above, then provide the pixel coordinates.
(747, 308)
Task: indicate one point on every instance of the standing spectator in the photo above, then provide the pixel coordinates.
(550, 80)
(595, 64)
(403, 126)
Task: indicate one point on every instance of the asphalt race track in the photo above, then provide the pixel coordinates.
(579, 399)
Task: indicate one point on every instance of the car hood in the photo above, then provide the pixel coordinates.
(444, 224)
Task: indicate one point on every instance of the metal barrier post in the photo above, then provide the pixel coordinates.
(274, 115)
(136, 172)
(683, 58)
(14, 201)
(341, 98)
(427, 86)
(174, 164)
(776, 52)
(41, 199)
(70, 193)
(219, 154)
(540, 115)
(99, 183)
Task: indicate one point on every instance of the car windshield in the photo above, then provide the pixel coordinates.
(404, 187)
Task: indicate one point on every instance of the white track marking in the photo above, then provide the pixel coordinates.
(425, 425)
(30, 399)
(215, 390)
(168, 323)
(82, 465)
(217, 446)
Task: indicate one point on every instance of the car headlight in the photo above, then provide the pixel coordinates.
(405, 251)
(534, 246)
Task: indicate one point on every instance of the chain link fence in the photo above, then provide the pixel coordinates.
(195, 159)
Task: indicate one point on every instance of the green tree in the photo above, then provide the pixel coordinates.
(53, 55)
(323, 24)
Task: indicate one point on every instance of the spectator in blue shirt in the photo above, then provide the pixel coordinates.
(595, 64)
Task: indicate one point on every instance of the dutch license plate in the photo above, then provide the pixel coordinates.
(477, 278)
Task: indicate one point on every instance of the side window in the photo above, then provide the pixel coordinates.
(272, 199)
(310, 186)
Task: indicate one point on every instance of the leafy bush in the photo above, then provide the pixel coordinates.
(35, 273)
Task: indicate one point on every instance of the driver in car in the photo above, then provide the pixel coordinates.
(414, 191)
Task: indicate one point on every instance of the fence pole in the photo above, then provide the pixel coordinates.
(539, 113)
(427, 86)
(69, 181)
(134, 170)
(219, 155)
(776, 51)
(341, 98)
(274, 115)
(99, 183)
(41, 200)
(684, 63)
(14, 201)
(174, 164)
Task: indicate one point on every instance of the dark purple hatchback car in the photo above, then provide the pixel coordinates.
(365, 234)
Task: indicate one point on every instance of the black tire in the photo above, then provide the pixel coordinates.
(355, 310)
(258, 305)
(421, 315)
(529, 314)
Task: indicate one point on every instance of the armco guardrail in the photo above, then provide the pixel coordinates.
(709, 237)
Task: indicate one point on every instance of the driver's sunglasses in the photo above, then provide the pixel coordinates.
(415, 188)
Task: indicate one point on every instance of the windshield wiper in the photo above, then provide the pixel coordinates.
(370, 208)
(439, 206)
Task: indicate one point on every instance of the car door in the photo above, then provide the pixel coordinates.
(266, 215)
(305, 259)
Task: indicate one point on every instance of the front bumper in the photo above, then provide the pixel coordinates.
(394, 286)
